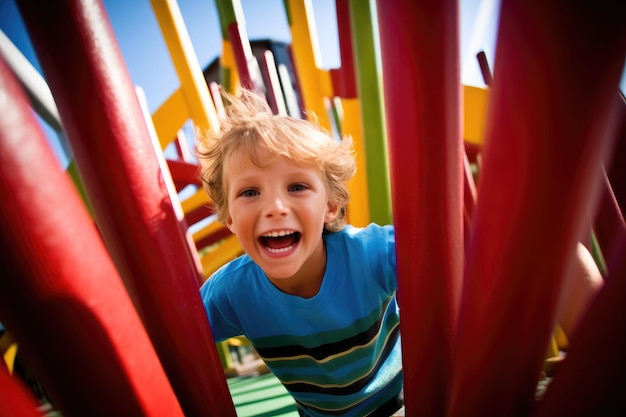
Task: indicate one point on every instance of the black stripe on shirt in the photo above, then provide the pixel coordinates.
(357, 385)
(325, 350)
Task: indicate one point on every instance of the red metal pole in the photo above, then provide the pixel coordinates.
(469, 200)
(116, 159)
(60, 295)
(609, 222)
(551, 120)
(17, 400)
(246, 62)
(421, 79)
(616, 169)
(343, 78)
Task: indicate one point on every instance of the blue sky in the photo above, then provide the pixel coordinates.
(264, 19)
(150, 67)
(148, 61)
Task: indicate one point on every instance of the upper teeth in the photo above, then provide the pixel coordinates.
(278, 233)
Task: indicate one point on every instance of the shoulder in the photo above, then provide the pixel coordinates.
(227, 292)
(230, 276)
(373, 244)
(371, 235)
(365, 253)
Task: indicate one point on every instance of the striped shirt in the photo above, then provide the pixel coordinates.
(337, 353)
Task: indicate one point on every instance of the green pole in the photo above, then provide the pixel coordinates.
(228, 12)
(369, 87)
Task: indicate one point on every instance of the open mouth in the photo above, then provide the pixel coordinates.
(280, 241)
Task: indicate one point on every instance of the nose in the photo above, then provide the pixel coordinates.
(276, 207)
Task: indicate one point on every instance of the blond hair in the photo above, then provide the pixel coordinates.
(250, 125)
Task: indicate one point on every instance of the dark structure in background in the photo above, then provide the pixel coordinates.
(274, 59)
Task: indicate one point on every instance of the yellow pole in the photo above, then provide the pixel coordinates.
(474, 114)
(358, 208)
(185, 62)
(314, 83)
(230, 76)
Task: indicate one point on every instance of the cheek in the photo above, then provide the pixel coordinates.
(232, 219)
(239, 219)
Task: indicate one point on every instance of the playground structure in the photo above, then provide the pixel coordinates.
(104, 302)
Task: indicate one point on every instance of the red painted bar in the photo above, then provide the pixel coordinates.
(485, 70)
(551, 121)
(214, 89)
(617, 167)
(60, 295)
(184, 173)
(200, 213)
(469, 200)
(116, 159)
(17, 400)
(472, 151)
(244, 58)
(273, 91)
(421, 79)
(213, 238)
(609, 222)
(591, 381)
(343, 78)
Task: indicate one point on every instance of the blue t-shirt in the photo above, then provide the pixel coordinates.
(338, 352)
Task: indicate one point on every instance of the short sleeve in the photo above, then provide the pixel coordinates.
(222, 316)
(380, 250)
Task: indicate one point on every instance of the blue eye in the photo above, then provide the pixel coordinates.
(248, 193)
(298, 187)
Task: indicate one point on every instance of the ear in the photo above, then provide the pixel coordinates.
(229, 224)
(332, 211)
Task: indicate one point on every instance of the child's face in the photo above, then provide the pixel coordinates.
(278, 213)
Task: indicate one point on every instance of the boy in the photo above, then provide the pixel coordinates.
(315, 297)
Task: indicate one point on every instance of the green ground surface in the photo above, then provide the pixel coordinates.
(261, 396)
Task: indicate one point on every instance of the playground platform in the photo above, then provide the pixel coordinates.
(258, 393)
(264, 396)
(261, 396)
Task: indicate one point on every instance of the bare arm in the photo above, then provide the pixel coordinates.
(579, 289)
